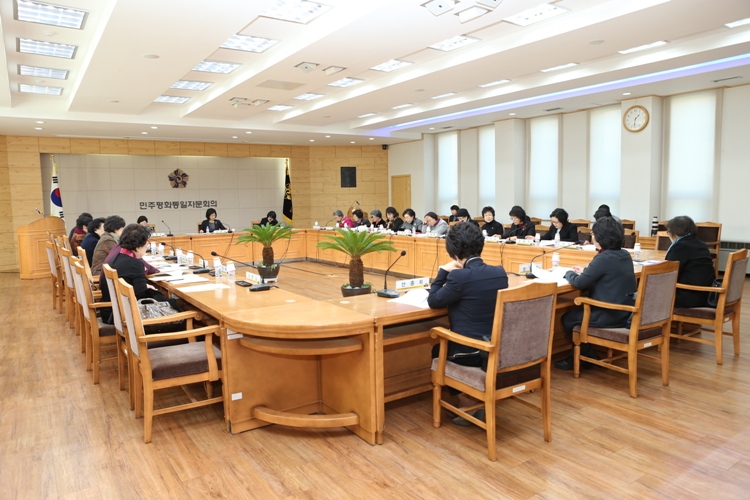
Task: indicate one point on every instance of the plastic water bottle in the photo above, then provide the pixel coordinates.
(557, 239)
(316, 226)
(217, 267)
(231, 270)
(637, 251)
(537, 239)
(427, 230)
(161, 249)
(555, 260)
(190, 258)
(484, 233)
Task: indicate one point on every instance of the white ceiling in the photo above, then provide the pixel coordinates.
(111, 87)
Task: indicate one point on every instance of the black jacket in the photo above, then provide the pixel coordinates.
(568, 232)
(218, 226)
(525, 229)
(394, 224)
(493, 228)
(696, 268)
(264, 221)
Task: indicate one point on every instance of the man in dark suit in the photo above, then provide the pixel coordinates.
(696, 264)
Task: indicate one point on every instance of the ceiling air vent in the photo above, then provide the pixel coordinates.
(552, 109)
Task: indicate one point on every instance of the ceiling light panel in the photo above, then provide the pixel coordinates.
(391, 65)
(249, 43)
(39, 89)
(367, 115)
(345, 82)
(190, 85)
(172, 99)
(492, 84)
(41, 48)
(471, 13)
(58, 74)
(309, 96)
(536, 15)
(296, 11)
(438, 7)
(562, 66)
(441, 96)
(402, 106)
(454, 43)
(42, 13)
(735, 24)
(280, 107)
(216, 67)
(643, 47)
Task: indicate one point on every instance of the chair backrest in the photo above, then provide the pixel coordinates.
(65, 256)
(662, 225)
(663, 241)
(656, 292)
(709, 233)
(82, 290)
(580, 222)
(628, 223)
(86, 268)
(53, 265)
(584, 234)
(110, 275)
(734, 276)
(524, 321)
(63, 241)
(132, 315)
(541, 229)
(630, 239)
(535, 220)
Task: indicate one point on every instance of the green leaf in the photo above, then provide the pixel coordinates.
(356, 243)
(265, 235)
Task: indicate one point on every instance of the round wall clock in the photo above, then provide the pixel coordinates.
(635, 118)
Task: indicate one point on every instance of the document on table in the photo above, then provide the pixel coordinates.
(204, 288)
(556, 275)
(169, 275)
(188, 278)
(416, 298)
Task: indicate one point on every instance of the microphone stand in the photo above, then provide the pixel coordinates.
(170, 257)
(168, 229)
(199, 269)
(530, 275)
(385, 292)
(255, 288)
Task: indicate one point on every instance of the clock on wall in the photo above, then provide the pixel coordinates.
(635, 118)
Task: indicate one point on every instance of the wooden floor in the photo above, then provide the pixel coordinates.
(63, 437)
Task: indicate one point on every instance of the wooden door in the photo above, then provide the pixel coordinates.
(401, 192)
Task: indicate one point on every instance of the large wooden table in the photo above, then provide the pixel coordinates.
(295, 361)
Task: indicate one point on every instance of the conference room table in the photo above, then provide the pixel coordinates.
(292, 360)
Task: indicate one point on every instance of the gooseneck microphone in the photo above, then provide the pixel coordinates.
(385, 292)
(233, 260)
(168, 229)
(170, 257)
(255, 288)
(530, 275)
(199, 269)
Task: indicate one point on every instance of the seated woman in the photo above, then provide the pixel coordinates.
(113, 226)
(454, 214)
(270, 218)
(143, 221)
(560, 224)
(435, 225)
(609, 277)
(393, 221)
(696, 264)
(468, 288)
(94, 231)
(493, 227)
(377, 218)
(462, 215)
(411, 222)
(342, 220)
(521, 227)
(211, 223)
(79, 232)
(359, 219)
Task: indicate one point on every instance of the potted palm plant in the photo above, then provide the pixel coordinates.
(266, 235)
(355, 244)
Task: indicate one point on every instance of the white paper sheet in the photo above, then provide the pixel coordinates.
(204, 288)
(188, 278)
(552, 275)
(416, 298)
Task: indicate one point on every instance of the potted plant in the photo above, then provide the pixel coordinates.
(266, 235)
(355, 244)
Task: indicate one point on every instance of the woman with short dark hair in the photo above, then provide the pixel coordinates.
(79, 232)
(521, 227)
(393, 221)
(560, 224)
(113, 227)
(493, 227)
(359, 218)
(211, 223)
(411, 222)
(269, 219)
(94, 231)
(696, 264)
(609, 277)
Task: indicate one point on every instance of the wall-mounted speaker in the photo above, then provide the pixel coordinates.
(348, 177)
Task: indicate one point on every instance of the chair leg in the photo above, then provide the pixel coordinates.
(132, 377)
(489, 409)
(545, 395)
(120, 362)
(719, 340)
(577, 359)
(633, 371)
(148, 411)
(88, 347)
(96, 354)
(436, 394)
(209, 389)
(138, 392)
(736, 330)
(665, 355)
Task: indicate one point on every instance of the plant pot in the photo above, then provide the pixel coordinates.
(268, 272)
(351, 292)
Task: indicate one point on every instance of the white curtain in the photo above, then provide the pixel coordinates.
(544, 166)
(604, 159)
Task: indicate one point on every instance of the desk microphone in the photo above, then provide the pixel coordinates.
(530, 275)
(170, 257)
(255, 288)
(233, 260)
(330, 220)
(168, 229)
(199, 269)
(390, 294)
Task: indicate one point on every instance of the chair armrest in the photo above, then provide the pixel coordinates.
(95, 279)
(702, 288)
(186, 334)
(606, 305)
(99, 305)
(460, 339)
(171, 318)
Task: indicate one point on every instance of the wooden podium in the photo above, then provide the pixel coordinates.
(32, 255)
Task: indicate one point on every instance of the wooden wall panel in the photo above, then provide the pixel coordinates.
(60, 145)
(166, 148)
(192, 149)
(144, 148)
(23, 144)
(215, 149)
(113, 147)
(238, 150)
(85, 147)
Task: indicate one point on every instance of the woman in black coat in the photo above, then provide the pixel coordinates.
(493, 227)
(559, 219)
(521, 227)
(696, 264)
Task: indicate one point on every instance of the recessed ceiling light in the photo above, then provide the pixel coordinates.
(58, 74)
(511, 114)
(234, 137)
(471, 13)
(401, 106)
(172, 99)
(248, 43)
(432, 128)
(328, 137)
(190, 85)
(296, 11)
(39, 89)
(151, 56)
(312, 140)
(391, 65)
(307, 66)
(42, 13)
(40, 122)
(280, 107)
(562, 66)
(438, 7)
(372, 138)
(626, 93)
(144, 133)
(536, 15)
(309, 96)
(454, 43)
(345, 82)
(258, 102)
(366, 115)
(154, 128)
(216, 67)
(248, 132)
(38, 128)
(492, 84)
(332, 70)
(741, 22)
(42, 48)
(443, 95)
(352, 142)
(643, 47)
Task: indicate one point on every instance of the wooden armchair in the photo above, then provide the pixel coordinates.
(630, 238)
(541, 229)
(92, 280)
(727, 309)
(584, 234)
(580, 222)
(628, 224)
(518, 359)
(650, 324)
(168, 366)
(535, 220)
(97, 334)
(710, 234)
(663, 241)
(71, 310)
(55, 277)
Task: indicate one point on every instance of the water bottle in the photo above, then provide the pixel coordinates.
(555, 260)
(217, 267)
(637, 251)
(537, 239)
(557, 239)
(316, 226)
(231, 270)
(161, 249)
(190, 258)
(484, 233)
(427, 231)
